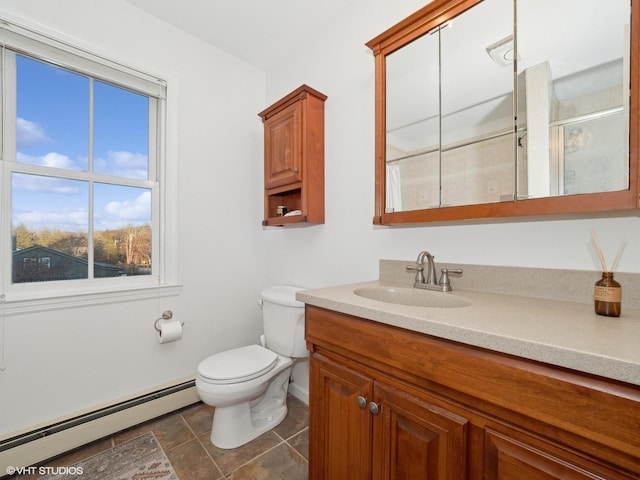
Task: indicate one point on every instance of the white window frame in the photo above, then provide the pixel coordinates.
(43, 296)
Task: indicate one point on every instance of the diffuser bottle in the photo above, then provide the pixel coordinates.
(607, 296)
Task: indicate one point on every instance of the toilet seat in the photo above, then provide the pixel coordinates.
(237, 365)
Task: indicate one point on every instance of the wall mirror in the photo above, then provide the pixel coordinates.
(497, 108)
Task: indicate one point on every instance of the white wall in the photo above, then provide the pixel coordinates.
(347, 247)
(64, 361)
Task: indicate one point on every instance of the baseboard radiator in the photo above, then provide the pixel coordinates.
(32, 447)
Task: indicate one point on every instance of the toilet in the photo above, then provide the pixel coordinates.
(248, 385)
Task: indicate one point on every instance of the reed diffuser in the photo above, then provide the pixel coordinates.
(607, 293)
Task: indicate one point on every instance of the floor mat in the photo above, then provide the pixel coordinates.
(137, 459)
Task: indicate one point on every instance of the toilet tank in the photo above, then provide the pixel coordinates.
(283, 320)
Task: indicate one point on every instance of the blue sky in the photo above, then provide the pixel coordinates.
(52, 129)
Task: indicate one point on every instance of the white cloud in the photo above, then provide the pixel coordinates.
(38, 183)
(51, 159)
(57, 160)
(136, 211)
(64, 220)
(29, 133)
(123, 164)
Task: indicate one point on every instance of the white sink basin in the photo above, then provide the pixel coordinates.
(412, 297)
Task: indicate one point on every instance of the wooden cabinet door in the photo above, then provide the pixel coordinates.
(340, 425)
(282, 147)
(507, 457)
(416, 440)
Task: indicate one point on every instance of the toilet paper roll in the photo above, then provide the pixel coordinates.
(170, 331)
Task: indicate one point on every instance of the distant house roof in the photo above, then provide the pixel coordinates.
(38, 264)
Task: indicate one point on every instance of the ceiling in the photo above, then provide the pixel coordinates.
(260, 32)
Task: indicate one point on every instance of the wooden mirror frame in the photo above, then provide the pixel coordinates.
(435, 14)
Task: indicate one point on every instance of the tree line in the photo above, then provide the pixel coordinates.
(130, 245)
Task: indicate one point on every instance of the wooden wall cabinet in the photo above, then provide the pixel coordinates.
(387, 403)
(294, 158)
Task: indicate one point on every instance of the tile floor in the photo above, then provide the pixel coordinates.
(280, 454)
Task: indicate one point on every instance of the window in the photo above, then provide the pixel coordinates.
(82, 151)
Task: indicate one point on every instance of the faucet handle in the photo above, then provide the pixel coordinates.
(444, 278)
(419, 272)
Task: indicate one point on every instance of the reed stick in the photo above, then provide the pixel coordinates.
(619, 252)
(594, 236)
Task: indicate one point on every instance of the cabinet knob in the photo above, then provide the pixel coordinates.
(362, 402)
(374, 408)
(295, 169)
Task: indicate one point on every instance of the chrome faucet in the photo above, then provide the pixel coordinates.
(419, 268)
(431, 282)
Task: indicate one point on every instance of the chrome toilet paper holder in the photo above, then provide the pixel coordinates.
(166, 315)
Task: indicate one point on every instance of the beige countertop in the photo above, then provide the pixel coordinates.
(559, 332)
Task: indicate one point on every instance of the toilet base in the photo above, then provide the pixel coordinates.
(238, 424)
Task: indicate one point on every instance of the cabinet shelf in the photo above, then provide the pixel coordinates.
(282, 221)
(294, 158)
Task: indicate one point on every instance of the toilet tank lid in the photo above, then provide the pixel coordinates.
(283, 295)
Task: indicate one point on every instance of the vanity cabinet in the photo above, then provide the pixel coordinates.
(388, 403)
(369, 429)
(294, 158)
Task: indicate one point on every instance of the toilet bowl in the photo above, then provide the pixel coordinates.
(252, 402)
(248, 385)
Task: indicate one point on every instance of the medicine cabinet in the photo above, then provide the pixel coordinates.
(507, 108)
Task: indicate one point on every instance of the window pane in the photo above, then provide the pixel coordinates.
(122, 225)
(52, 122)
(49, 224)
(121, 132)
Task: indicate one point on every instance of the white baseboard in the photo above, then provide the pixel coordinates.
(39, 449)
(299, 392)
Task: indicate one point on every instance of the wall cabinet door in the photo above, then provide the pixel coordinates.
(365, 429)
(282, 147)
